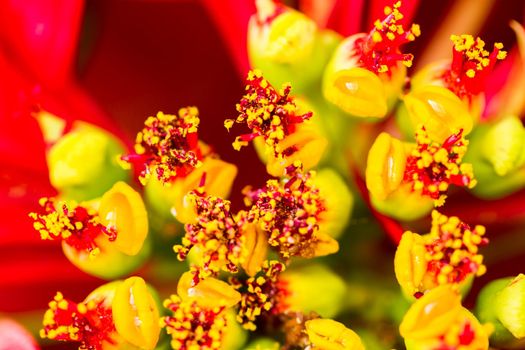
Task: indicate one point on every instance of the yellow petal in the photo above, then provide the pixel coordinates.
(210, 292)
(122, 208)
(328, 334)
(325, 245)
(135, 313)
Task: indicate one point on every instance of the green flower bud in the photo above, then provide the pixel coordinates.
(83, 163)
(497, 152)
(510, 306)
(326, 298)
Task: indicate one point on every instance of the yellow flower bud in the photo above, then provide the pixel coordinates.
(72, 175)
(328, 334)
(122, 208)
(338, 201)
(327, 298)
(309, 143)
(255, 249)
(210, 292)
(437, 320)
(431, 315)
(436, 108)
(410, 264)
(356, 90)
(403, 204)
(135, 313)
(385, 166)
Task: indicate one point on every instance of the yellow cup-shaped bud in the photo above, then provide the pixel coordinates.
(356, 90)
(309, 143)
(438, 109)
(410, 264)
(135, 313)
(328, 334)
(171, 200)
(385, 166)
(210, 292)
(510, 306)
(338, 201)
(83, 164)
(431, 315)
(122, 209)
(255, 249)
(314, 288)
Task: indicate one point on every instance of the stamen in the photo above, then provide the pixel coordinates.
(452, 249)
(290, 212)
(267, 112)
(78, 226)
(432, 167)
(263, 294)
(471, 65)
(168, 145)
(192, 326)
(89, 323)
(379, 51)
(217, 233)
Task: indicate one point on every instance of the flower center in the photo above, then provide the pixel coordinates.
(379, 51)
(89, 323)
(263, 293)
(471, 65)
(168, 145)
(194, 327)
(78, 226)
(432, 167)
(267, 112)
(290, 212)
(217, 233)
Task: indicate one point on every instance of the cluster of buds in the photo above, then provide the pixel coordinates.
(240, 272)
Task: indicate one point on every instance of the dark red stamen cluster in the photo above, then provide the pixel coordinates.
(263, 294)
(192, 326)
(218, 234)
(267, 113)
(168, 146)
(290, 212)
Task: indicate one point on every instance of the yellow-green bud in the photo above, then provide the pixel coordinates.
(83, 163)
